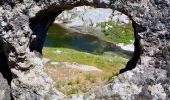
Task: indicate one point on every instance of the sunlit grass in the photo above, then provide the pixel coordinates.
(118, 33)
(104, 62)
(72, 81)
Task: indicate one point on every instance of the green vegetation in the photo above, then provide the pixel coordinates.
(72, 81)
(57, 36)
(90, 77)
(72, 91)
(118, 33)
(82, 81)
(69, 80)
(104, 62)
(55, 28)
(113, 75)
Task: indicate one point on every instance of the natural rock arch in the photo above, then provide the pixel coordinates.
(21, 20)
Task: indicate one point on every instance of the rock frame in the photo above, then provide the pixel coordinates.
(23, 27)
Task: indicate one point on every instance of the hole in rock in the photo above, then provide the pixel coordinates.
(85, 47)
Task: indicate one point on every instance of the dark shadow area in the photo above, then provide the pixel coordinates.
(134, 60)
(5, 77)
(4, 68)
(2, 2)
(62, 38)
(39, 26)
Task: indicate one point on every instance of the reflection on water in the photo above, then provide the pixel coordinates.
(60, 37)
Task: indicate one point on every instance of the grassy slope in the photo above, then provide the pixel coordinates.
(70, 81)
(118, 33)
(105, 62)
(83, 81)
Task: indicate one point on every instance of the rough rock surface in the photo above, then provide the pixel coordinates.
(23, 26)
(5, 93)
(90, 16)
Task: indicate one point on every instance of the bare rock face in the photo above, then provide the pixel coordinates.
(5, 93)
(23, 27)
(89, 16)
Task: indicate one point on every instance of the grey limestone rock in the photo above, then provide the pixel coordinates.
(5, 92)
(146, 76)
(90, 16)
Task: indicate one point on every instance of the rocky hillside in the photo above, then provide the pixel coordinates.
(23, 28)
(90, 16)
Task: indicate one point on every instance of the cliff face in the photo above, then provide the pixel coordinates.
(90, 17)
(23, 27)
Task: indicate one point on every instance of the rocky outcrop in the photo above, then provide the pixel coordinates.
(90, 17)
(5, 93)
(23, 22)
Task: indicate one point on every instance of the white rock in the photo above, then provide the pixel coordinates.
(77, 66)
(89, 16)
(3, 23)
(128, 47)
(55, 63)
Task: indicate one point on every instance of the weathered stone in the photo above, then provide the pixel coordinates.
(5, 92)
(149, 73)
(90, 16)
